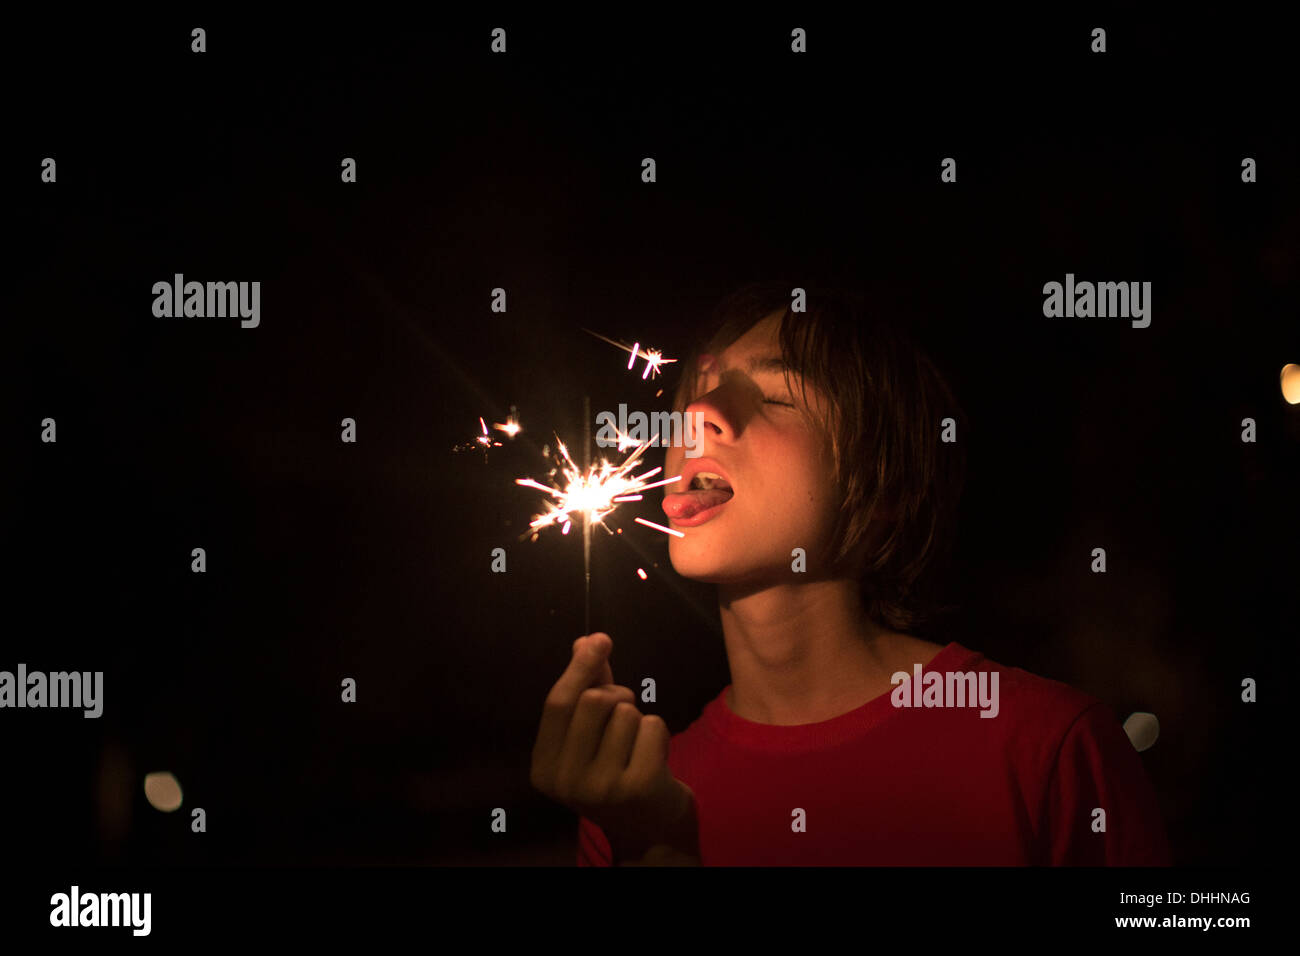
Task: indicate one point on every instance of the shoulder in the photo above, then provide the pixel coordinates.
(1047, 730)
(913, 648)
(1027, 702)
(1037, 705)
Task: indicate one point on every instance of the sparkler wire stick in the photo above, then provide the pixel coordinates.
(586, 517)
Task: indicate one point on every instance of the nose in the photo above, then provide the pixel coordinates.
(715, 419)
(720, 414)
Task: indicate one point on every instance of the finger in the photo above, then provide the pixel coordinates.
(586, 730)
(600, 639)
(620, 736)
(607, 672)
(584, 670)
(649, 753)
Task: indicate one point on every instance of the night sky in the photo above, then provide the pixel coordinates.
(371, 560)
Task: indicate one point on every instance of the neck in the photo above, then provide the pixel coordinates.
(804, 653)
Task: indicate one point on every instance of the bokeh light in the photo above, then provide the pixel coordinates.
(163, 791)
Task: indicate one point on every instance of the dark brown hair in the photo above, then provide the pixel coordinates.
(899, 484)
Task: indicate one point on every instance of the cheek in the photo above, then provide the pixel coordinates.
(810, 500)
(672, 464)
(810, 493)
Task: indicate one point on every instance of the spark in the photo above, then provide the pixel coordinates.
(486, 439)
(654, 358)
(659, 527)
(510, 426)
(593, 495)
(483, 441)
(640, 572)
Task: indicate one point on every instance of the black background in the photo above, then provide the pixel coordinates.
(372, 560)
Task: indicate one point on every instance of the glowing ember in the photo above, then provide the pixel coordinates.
(511, 425)
(483, 441)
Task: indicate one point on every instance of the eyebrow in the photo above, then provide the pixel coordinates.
(762, 363)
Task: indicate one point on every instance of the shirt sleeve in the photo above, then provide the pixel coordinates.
(593, 847)
(1097, 768)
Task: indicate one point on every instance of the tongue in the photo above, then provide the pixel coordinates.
(690, 503)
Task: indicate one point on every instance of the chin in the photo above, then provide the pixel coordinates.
(706, 566)
(693, 560)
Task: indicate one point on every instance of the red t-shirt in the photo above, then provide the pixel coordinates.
(887, 785)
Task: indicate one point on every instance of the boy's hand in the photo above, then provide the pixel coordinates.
(602, 758)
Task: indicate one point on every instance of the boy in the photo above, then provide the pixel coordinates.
(822, 495)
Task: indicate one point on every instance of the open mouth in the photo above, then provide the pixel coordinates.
(707, 490)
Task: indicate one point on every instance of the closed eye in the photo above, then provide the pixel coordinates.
(774, 401)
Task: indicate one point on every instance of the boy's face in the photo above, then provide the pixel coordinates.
(758, 436)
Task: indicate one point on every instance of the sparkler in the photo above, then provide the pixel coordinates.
(592, 493)
(654, 358)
